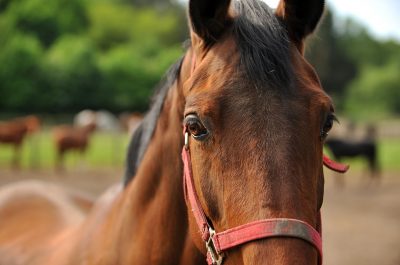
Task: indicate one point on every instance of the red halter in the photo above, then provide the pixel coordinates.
(335, 166)
(217, 243)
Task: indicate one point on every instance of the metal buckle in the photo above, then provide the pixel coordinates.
(216, 257)
(186, 140)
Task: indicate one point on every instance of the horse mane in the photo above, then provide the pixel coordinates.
(143, 134)
(263, 44)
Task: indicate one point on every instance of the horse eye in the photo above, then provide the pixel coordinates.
(195, 127)
(328, 125)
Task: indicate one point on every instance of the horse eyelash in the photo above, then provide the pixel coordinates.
(335, 118)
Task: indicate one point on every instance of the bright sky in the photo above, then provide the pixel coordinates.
(381, 17)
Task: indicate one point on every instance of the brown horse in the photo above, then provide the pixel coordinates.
(255, 117)
(14, 132)
(67, 138)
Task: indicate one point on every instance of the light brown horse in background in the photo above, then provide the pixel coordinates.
(68, 138)
(130, 121)
(257, 118)
(14, 132)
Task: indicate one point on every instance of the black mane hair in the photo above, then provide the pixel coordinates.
(263, 43)
(142, 135)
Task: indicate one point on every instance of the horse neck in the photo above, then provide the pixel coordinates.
(150, 217)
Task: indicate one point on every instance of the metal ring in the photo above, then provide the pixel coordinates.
(216, 257)
(186, 140)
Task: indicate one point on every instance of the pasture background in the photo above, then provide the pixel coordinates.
(106, 150)
(60, 57)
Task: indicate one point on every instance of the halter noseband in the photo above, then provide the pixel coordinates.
(218, 242)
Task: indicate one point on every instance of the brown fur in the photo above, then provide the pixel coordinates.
(14, 132)
(262, 159)
(67, 138)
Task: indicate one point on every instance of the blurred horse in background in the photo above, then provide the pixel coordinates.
(350, 148)
(69, 138)
(130, 121)
(104, 120)
(14, 132)
(108, 124)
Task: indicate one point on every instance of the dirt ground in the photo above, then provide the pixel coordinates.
(361, 221)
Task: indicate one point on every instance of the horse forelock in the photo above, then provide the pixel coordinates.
(263, 44)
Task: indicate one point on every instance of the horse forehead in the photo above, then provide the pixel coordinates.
(220, 81)
(250, 107)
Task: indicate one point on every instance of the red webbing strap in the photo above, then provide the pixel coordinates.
(279, 227)
(335, 166)
(191, 195)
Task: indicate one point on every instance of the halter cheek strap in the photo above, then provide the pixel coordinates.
(218, 243)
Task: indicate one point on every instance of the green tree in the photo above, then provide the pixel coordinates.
(364, 49)
(20, 74)
(73, 76)
(48, 19)
(4, 4)
(132, 72)
(66, 55)
(333, 64)
(375, 93)
(113, 25)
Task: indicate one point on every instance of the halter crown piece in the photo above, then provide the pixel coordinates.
(218, 242)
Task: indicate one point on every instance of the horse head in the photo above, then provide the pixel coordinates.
(256, 118)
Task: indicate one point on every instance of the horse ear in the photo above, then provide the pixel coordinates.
(209, 18)
(301, 17)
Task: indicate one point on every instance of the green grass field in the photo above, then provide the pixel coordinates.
(108, 150)
(105, 150)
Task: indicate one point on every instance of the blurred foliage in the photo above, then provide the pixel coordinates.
(375, 93)
(126, 72)
(48, 20)
(20, 57)
(359, 71)
(333, 64)
(71, 67)
(66, 55)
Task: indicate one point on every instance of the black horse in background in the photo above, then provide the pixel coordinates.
(366, 148)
